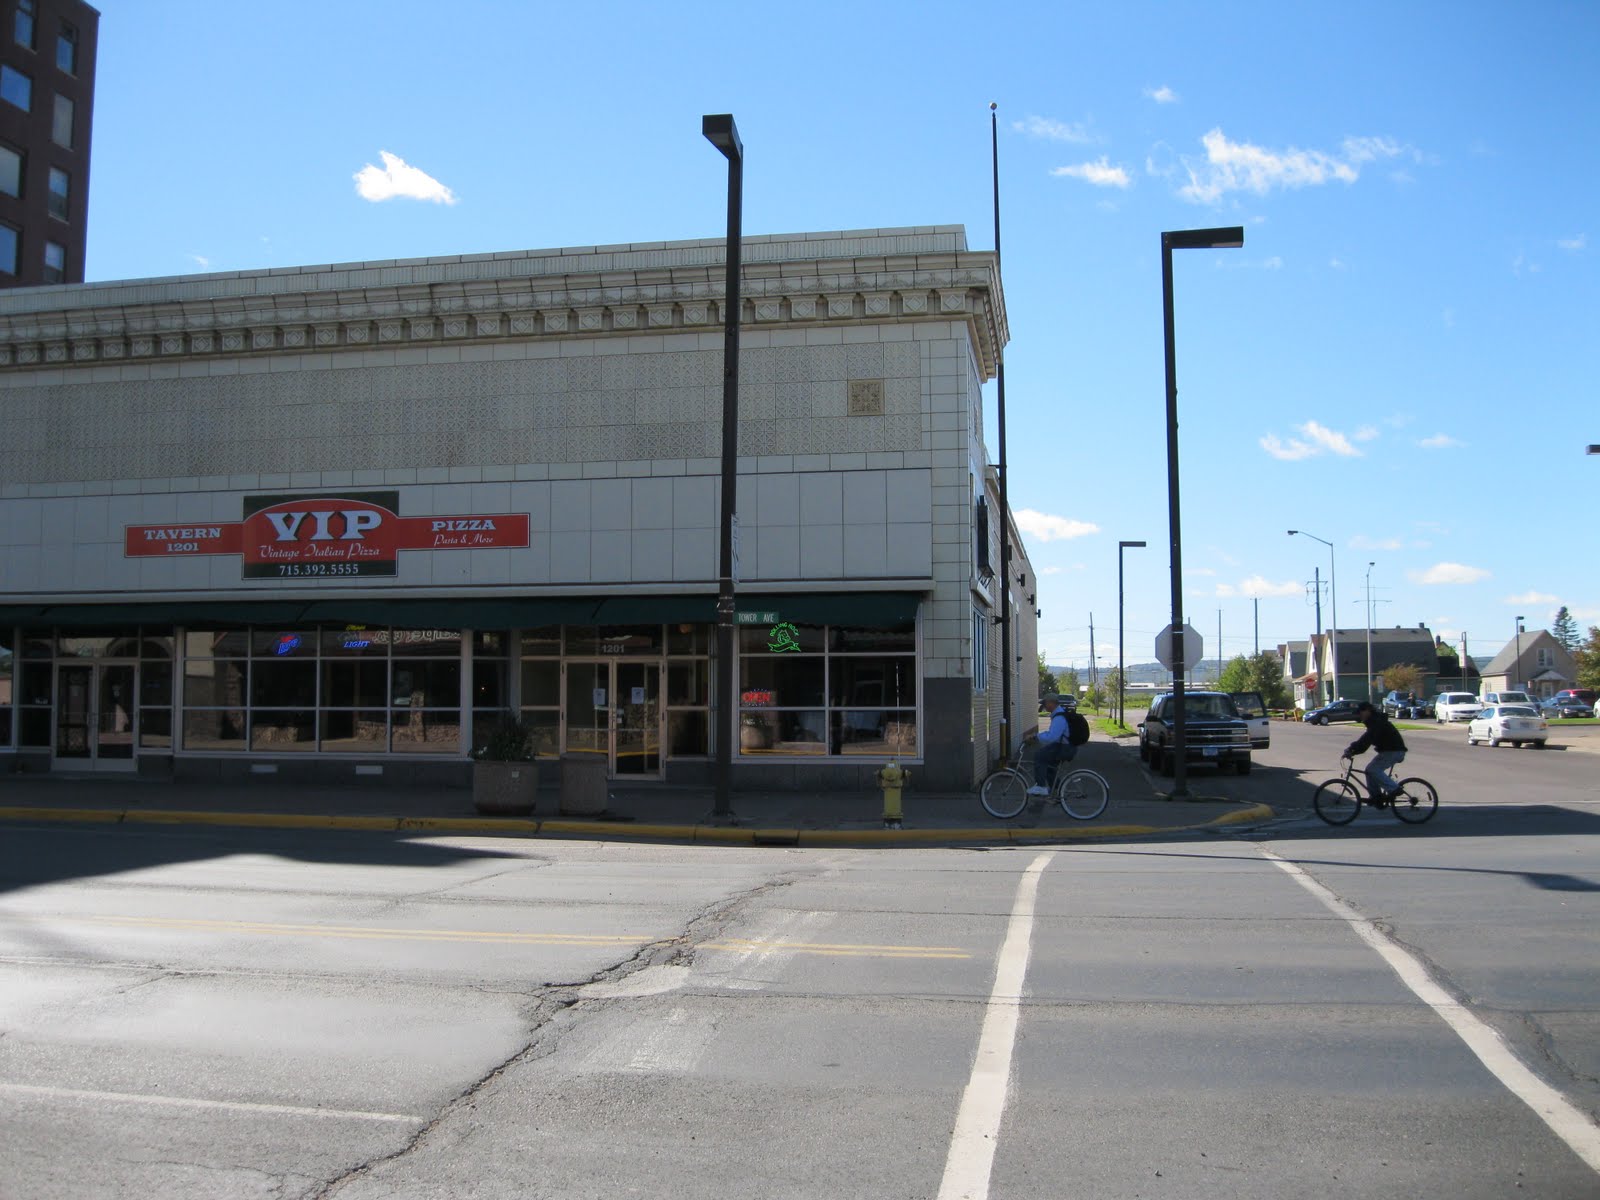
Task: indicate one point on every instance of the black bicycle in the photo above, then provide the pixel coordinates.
(1339, 800)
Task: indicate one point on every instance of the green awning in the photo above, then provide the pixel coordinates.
(863, 609)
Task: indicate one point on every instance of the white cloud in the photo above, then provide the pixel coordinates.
(1162, 95)
(1440, 441)
(1258, 586)
(1336, 263)
(1198, 571)
(1574, 243)
(1053, 130)
(1366, 433)
(1362, 542)
(399, 178)
(1050, 570)
(1100, 173)
(1532, 597)
(1048, 528)
(201, 261)
(1319, 439)
(1585, 614)
(1242, 167)
(1448, 572)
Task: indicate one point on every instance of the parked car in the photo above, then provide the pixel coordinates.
(1514, 723)
(1339, 710)
(1406, 705)
(1213, 733)
(1455, 706)
(1508, 698)
(1253, 708)
(1589, 696)
(1559, 708)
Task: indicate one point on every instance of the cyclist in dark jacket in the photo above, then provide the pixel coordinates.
(1382, 737)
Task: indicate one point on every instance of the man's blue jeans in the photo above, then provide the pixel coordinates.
(1048, 755)
(1378, 778)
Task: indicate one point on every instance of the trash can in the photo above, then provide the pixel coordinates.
(584, 784)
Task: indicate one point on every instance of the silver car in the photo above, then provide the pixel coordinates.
(1455, 706)
(1514, 723)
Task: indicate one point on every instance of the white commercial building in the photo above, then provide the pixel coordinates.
(334, 518)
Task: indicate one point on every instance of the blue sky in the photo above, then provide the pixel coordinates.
(1396, 361)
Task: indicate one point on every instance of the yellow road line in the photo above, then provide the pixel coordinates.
(378, 933)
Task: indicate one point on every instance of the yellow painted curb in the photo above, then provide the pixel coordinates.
(722, 833)
(471, 824)
(85, 815)
(1256, 812)
(255, 820)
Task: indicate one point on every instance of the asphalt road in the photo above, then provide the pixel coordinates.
(1299, 1012)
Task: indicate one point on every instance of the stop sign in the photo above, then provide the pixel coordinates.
(1193, 647)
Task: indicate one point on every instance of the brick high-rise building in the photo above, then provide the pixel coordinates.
(47, 59)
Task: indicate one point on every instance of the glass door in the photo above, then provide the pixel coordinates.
(613, 708)
(95, 715)
(638, 726)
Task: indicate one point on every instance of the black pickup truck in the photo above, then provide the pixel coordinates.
(1214, 734)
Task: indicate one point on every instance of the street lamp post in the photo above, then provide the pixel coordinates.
(1182, 239)
(722, 133)
(1333, 625)
(1517, 664)
(1370, 565)
(1122, 678)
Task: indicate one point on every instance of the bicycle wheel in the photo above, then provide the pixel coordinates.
(1083, 795)
(1337, 802)
(1415, 802)
(1004, 793)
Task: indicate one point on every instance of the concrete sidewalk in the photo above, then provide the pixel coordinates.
(635, 811)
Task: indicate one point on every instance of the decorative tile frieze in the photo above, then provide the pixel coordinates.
(358, 333)
(55, 352)
(913, 302)
(111, 347)
(866, 397)
(524, 324)
(84, 351)
(142, 346)
(555, 322)
(28, 355)
(172, 343)
(953, 302)
(841, 308)
(294, 337)
(591, 320)
(803, 308)
(660, 315)
(201, 343)
(487, 325)
(327, 335)
(263, 339)
(625, 318)
(768, 311)
(233, 340)
(390, 331)
(877, 304)
(696, 312)
(455, 327)
(5, 356)
(422, 328)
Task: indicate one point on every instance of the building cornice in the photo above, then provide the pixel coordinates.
(624, 292)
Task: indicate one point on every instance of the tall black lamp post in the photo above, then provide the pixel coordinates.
(1122, 679)
(1182, 239)
(722, 133)
(1517, 665)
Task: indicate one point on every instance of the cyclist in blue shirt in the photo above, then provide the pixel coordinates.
(1054, 744)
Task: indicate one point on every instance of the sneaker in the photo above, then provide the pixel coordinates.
(1038, 790)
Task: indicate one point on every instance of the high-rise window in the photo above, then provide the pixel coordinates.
(16, 88)
(55, 263)
(61, 125)
(8, 249)
(67, 48)
(22, 23)
(10, 171)
(60, 192)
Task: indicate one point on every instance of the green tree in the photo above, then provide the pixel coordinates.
(1588, 656)
(1404, 677)
(1067, 682)
(1047, 677)
(1565, 630)
(1259, 673)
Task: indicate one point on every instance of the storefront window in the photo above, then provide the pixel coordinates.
(7, 667)
(810, 690)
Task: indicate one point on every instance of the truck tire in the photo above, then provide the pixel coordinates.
(1242, 767)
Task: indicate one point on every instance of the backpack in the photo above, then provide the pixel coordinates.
(1077, 729)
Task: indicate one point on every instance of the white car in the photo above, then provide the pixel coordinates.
(1508, 698)
(1514, 723)
(1455, 706)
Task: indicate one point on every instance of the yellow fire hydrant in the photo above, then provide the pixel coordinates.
(892, 778)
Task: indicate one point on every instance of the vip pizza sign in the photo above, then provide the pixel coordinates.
(325, 536)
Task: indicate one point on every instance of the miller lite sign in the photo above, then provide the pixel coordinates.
(336, 536)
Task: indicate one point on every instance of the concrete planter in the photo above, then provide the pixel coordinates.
(505, 788)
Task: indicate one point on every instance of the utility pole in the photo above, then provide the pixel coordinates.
(1219, 649)
(1257, 603)
(1094, 675)
(1316, 587)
